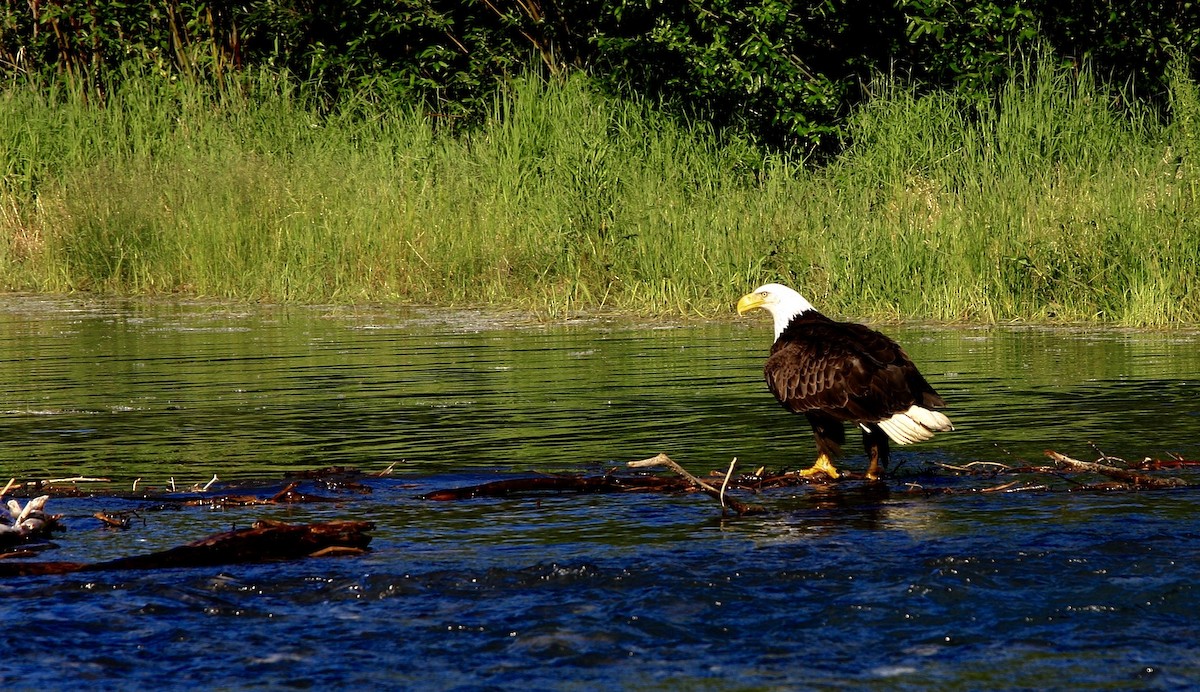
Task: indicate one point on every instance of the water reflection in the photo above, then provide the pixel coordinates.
(137, 389)
(818, 511)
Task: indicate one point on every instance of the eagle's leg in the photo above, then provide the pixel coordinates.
(829, 436)
(876, 442)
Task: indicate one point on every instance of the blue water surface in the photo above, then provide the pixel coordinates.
(844, 585)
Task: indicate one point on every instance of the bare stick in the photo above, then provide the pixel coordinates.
(1104, 457)
(1005, 487)
(77, 479)
(209, 484)
(967, 467)
(8, 487)
(662, 460)
(116, 522)
(725, 483)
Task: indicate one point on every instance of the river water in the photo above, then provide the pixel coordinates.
(842, 585)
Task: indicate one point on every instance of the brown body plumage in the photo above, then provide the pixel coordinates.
(839, 372)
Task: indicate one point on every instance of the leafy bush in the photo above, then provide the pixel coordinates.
(780, 73)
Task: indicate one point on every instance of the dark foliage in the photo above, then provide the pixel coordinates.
(782, 73)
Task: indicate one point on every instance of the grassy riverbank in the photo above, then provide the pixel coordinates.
(1054, 204)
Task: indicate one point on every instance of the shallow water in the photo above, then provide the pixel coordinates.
(841, 586)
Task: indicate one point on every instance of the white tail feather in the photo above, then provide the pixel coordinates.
(933, 420)
(914, 425)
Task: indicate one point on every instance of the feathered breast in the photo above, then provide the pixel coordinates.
(846, 370)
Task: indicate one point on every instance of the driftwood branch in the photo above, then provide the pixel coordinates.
(1137, 480)
(29, 522)
(119, 520)
(664, 461)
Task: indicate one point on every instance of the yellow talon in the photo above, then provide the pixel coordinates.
(824, 465)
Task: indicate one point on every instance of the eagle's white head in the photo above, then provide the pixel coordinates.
(782, 302)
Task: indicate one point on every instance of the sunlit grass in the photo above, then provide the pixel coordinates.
(1051, 204)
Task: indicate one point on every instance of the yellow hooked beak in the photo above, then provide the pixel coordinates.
(750, 301)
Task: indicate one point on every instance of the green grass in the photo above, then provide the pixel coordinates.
(1051, 204)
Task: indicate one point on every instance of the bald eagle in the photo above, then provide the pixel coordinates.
(834, 372)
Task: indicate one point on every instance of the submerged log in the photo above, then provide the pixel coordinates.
(338, 477)
(265, 541)
(607, 483)
(289, 495)
(1034, 479)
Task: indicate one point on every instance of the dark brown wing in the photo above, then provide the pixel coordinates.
(848, 371)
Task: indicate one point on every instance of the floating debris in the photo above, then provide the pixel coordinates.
(29, 522)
